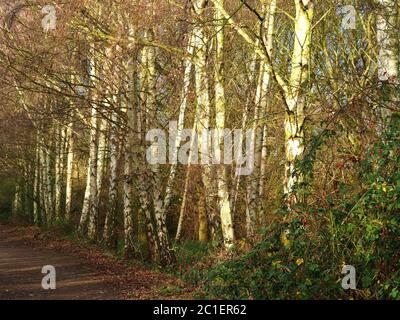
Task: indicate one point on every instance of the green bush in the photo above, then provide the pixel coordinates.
(298, 261)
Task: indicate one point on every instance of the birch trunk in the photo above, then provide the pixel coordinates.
(220, 105)
(17, 202)
(49, 182)
(129, 244)
(101, 153)
(268, 41)
(69, 173)
(202, 113)
(59, 170)
(89, 208)
(295, 99)
(43, 185)
(237, 178)
(36, 183)
(109, 225)
(256, 181)
(91, 179)
(388, 55)
(166, 255)
(144, 187)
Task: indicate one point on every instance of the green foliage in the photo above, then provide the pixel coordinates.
(190, 252)
(302, 257)
(193, 260)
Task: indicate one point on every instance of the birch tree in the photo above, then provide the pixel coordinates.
(220, 106)
(91, 180)
(388, 55)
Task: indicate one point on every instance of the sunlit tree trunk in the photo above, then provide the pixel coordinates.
(111, 215)
(268, 41)
(388, 55)
(220, 105)
(165, 254)
(43, 182)
(238, 177)
(145, 219)
(59, 170)
(49, 180)
(17, 202)
(129, 244)
(89, 209)
(36, 182)
(69, 173)
(256, 180)
(91, 179)
(296, 96)
(101, 152)
(202, 117)
(256, 140)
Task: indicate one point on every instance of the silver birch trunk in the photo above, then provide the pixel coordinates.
(91, 179)
(220, 105)
(388, 55)
(101, 153)
(36, 183)
(109, 224)
(202, 117)
(295, 98)
(69, 173)
(256, 180)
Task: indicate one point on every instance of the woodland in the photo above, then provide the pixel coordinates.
(249, 147)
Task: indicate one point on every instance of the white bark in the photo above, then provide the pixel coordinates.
(388, 45)
(59, 170)
(220, 105)
(101, 152)
(89, 208)
(165, 253)
(256, 181)
(128, 185)
(43, 182)
(295, 99)
(109, 225)
(17, 202)
(91, 179)
(36, 182)
(202, 116)
(69, 173)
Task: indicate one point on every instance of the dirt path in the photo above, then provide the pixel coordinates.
(77, 277)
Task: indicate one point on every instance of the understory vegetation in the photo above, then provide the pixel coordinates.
(249, 147)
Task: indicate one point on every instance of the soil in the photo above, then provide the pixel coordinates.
(82, 272)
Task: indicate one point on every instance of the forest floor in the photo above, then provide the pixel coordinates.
(82, 272)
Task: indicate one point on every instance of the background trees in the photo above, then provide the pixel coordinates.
(78, 102)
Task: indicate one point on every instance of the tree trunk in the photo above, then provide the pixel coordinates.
(91, 179)
(69, 174)
(220, 105)
(388, 55)
(295, 99)
(109, 235)
(202, 117)
(101, 153)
